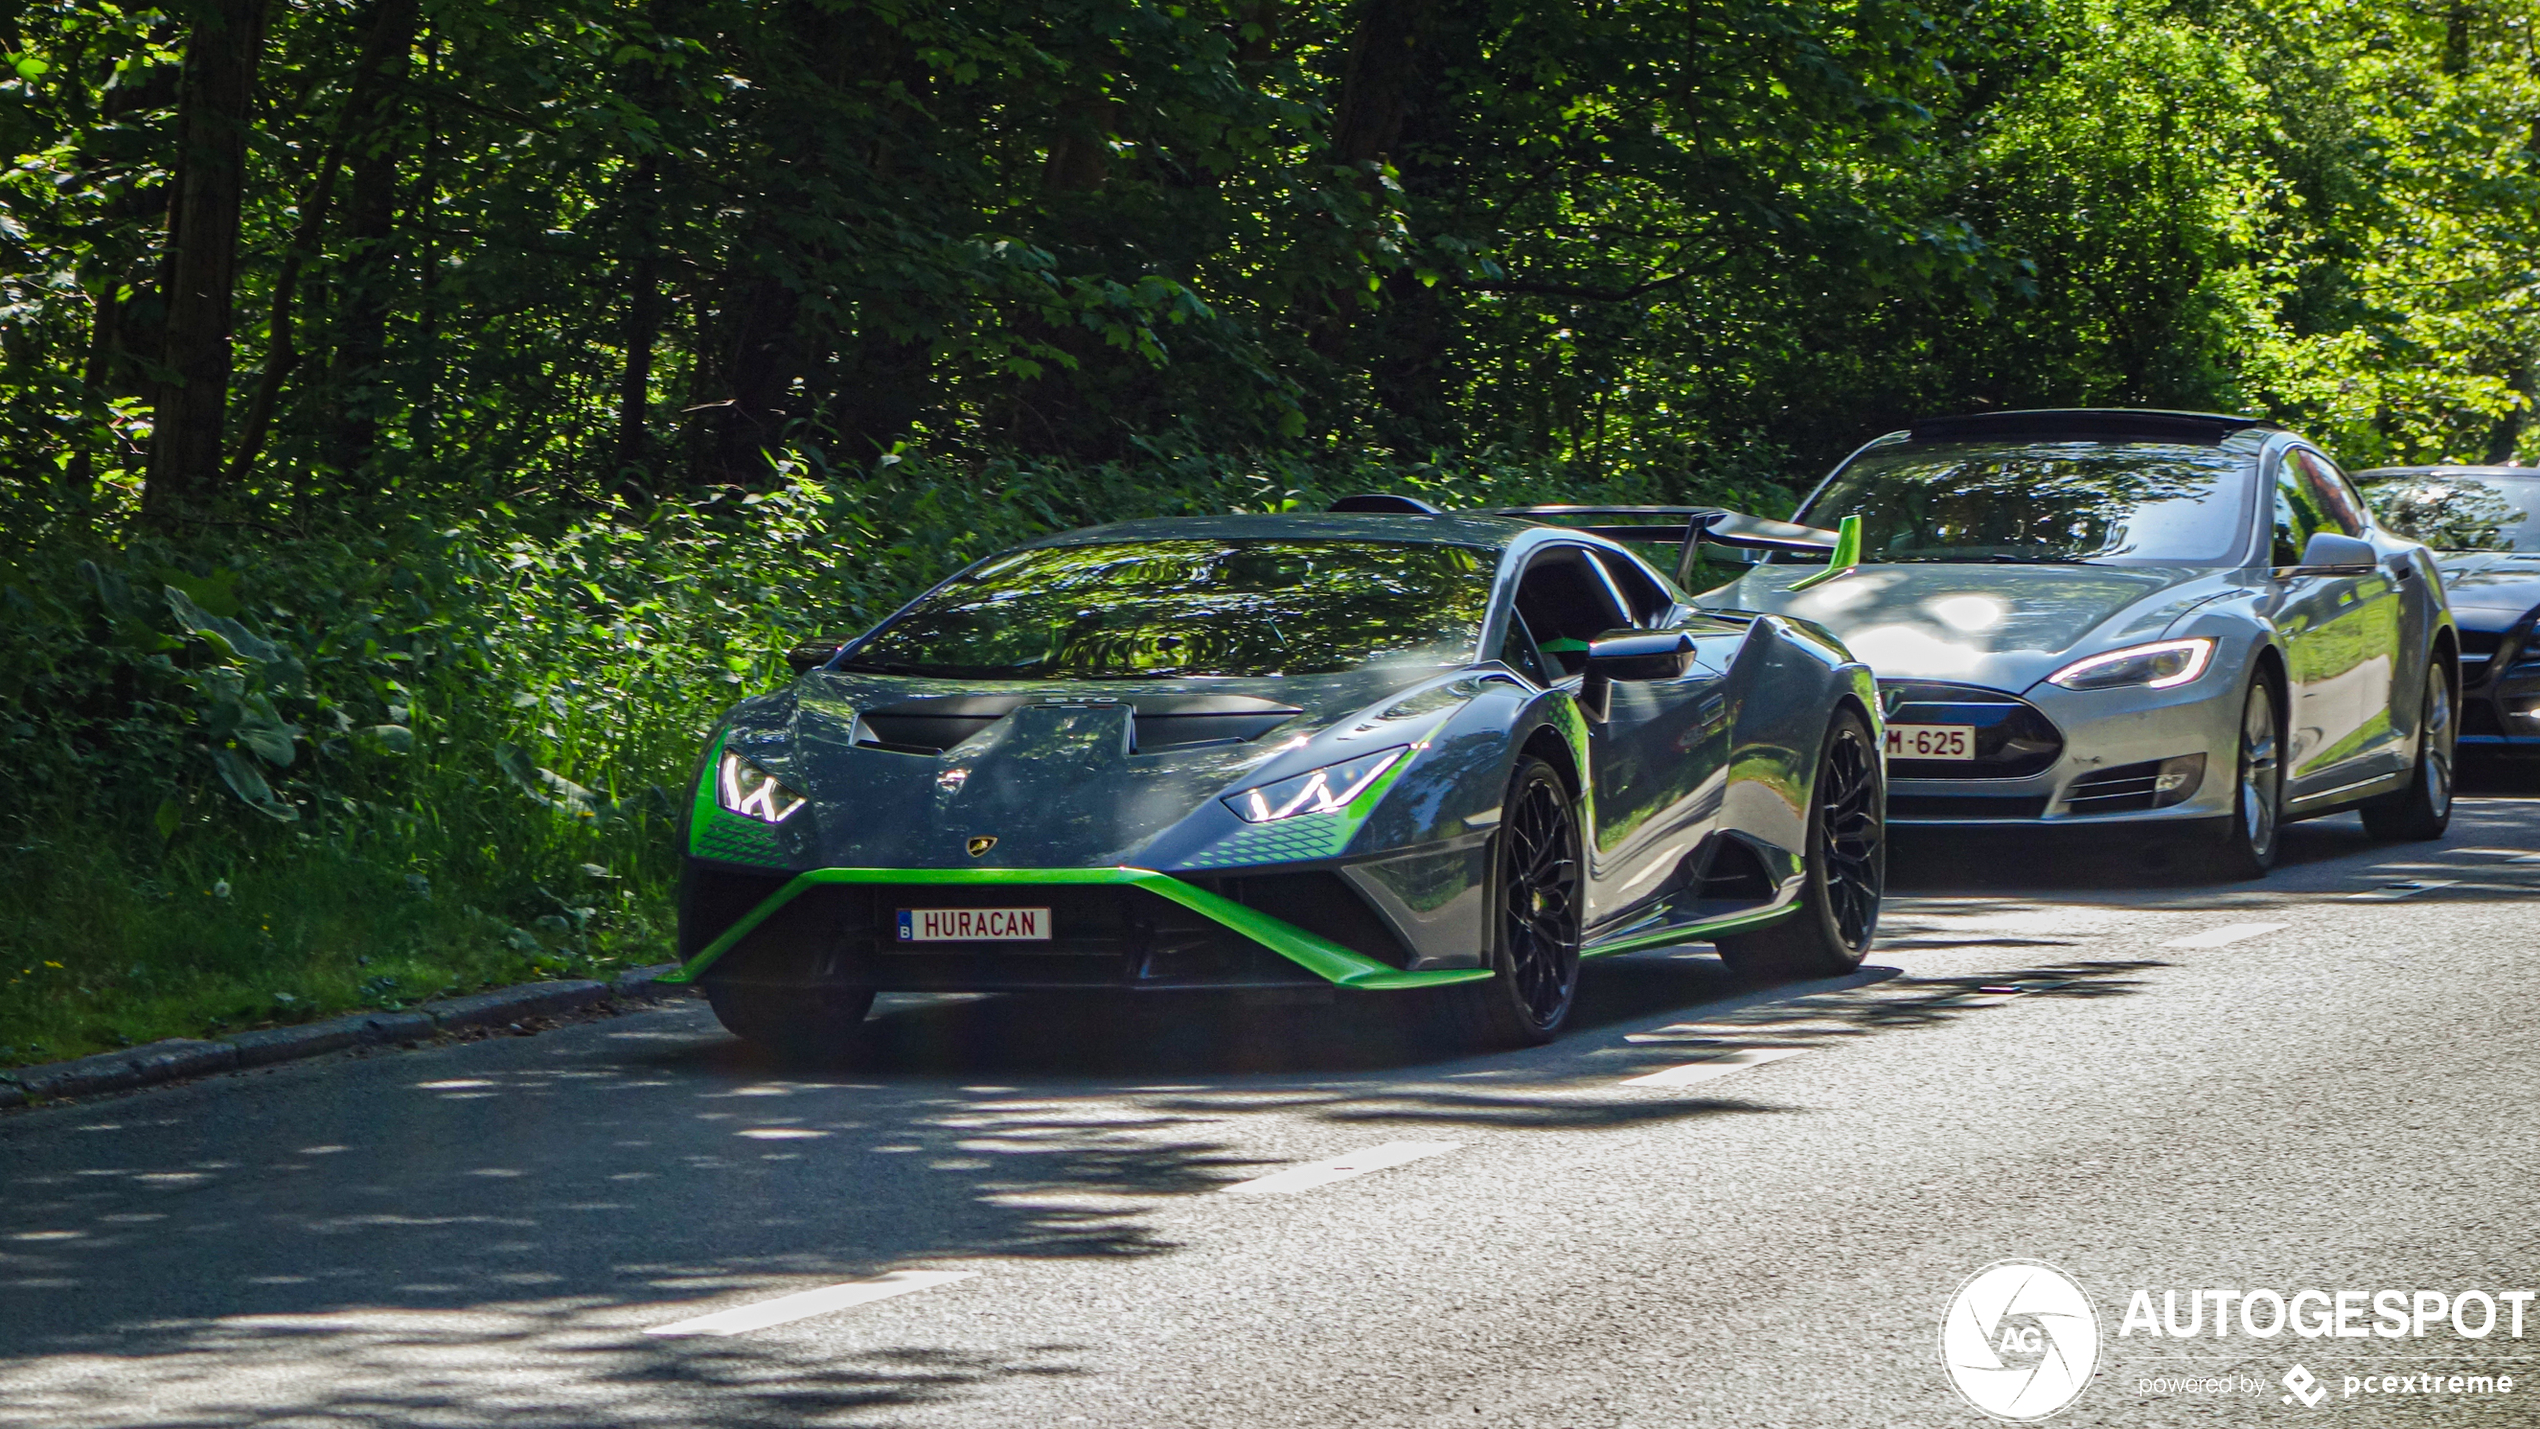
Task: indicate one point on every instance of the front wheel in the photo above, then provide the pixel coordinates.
(2423, 810)
(1829, 933)
(2248, 837)
(1538, 903)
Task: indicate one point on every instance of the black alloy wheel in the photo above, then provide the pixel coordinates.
(1829, 931)
(1537, 919)
(2256, 824)
(2423, 810)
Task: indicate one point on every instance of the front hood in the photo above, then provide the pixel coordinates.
(2002, 626)
(1058, 774)
(2489, 590)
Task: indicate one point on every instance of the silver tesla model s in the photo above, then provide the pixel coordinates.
(2130, 618)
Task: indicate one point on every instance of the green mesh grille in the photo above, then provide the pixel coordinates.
(1306, 836)
(734, 839)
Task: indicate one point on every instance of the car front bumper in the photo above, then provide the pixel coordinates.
(2104, 733)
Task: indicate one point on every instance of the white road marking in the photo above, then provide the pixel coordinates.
(780, 1133)
(2217, 937)
(2403, 888)
(1711, 1067)
(1338, 1168)
(746, 1318)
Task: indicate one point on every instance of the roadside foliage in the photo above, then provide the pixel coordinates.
(419, 418)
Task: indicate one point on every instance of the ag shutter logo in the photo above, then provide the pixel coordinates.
(2019, 1340)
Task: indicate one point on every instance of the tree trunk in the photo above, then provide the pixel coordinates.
(368, 268)
(202, 260)
(1381, 81)
(644, 313)
(763, 357)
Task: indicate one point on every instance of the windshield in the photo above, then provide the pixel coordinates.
(2455, 511)
(2042, 501)
(1133, 609)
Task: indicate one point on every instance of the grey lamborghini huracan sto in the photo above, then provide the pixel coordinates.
(1386, 750)
(2132, 621)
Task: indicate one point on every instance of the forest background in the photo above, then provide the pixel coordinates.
(419, 418)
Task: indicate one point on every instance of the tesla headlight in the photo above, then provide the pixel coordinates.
(1327, 790)
(2157, 666)
(752, 792)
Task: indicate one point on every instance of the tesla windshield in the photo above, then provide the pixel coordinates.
(1132, 609)
(2042, 501)
(2459, 511)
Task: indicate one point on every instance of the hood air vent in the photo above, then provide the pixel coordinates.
(1157, 722)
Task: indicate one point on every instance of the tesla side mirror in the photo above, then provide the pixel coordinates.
(1630, 655)
(812, 654)
(2330, 554)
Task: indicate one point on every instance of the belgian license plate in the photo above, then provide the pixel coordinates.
(1931, 741)
(974, 925)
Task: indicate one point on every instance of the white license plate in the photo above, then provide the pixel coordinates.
(1931, 741)
(974, 925)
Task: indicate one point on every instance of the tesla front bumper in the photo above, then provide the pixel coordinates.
(2096, 756)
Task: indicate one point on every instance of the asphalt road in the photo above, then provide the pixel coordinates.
(484, 1234)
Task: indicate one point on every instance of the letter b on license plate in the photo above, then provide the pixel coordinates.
(974, 925)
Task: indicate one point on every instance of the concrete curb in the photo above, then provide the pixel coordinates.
(179, 1058)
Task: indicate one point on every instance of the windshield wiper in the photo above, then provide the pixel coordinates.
(879, 667)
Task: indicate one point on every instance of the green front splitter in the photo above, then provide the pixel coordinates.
(1320, 956)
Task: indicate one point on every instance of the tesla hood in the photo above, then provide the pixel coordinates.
(2003, 626)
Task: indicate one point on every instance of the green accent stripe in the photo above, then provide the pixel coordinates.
(1689, 932)
(1318, 955)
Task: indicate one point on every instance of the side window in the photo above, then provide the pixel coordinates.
(1567, 601)
(1518, 651)
(2336, 496)
(2298, 515)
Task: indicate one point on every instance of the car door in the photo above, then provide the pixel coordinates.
(1646, 760)
(2341, 636)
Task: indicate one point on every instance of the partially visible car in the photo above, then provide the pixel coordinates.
(2131, 621)
(2483, 523)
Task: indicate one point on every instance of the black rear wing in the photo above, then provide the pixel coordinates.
(1690, 526)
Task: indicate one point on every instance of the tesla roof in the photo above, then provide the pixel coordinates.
(2086, 424)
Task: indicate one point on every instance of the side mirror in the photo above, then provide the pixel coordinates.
(2330, 554)
(812, 654)
(1630, 655)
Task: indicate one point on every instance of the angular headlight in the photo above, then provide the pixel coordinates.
(1327, 790)
(2157, 666)
(752, 792)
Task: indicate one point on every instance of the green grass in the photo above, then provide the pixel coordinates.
(204, 944)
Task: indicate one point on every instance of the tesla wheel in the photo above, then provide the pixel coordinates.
(1535, 917)
(799, 1025)
(2250, 834)
(1838, 913)
(2423, 810)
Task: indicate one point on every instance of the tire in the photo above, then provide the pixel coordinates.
(2246, 841)
(2423, 810)
(1537, 889)
(1830, 931)
(796, 1025)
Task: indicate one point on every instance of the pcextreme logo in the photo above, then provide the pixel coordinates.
(2019, 1340)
